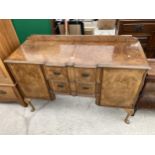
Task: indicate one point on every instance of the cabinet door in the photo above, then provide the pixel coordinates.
(30, 80)
(121, 87)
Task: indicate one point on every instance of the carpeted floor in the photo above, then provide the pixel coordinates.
(72, 115)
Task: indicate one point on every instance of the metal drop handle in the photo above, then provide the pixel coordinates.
(60, 85)
(85, 75)
(85, 88)
(56, 73)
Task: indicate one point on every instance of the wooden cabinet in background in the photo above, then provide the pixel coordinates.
(9, 91)
(110, 68)
(147, 97)
(142, 29)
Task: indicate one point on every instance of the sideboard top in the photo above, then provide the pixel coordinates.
(81, 51)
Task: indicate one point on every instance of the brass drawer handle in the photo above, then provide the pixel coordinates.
(2, 92)
(85, 75)
(85, 88)
(56, 73)
(60, 85)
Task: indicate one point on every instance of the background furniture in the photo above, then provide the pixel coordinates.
(107, 24)
(75, 27)
(141, 29)
(9, 91)
(147, 97)
(110, 68)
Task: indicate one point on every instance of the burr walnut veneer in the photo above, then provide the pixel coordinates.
(110, 68)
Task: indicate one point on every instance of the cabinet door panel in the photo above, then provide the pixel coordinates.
(120, 87)
(30, 80)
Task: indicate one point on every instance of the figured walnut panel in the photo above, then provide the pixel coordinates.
(30, 80)
(120, 87)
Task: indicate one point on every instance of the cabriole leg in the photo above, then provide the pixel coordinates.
(130, 112)
(28, 101)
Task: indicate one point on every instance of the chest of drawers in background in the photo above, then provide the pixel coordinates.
(147, 96)
(8, 43)
(144, 30)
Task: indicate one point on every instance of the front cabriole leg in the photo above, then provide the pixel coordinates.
(28, 101)
(130, 112)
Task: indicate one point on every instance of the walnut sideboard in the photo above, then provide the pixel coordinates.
(110, 68)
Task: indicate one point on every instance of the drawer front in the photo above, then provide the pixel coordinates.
(56, 73)
(85, 75)
(4, 76)
(139, 28)
(7, 94)
(86, 89)
(59, 87)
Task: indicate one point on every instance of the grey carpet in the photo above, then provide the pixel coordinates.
(72, 115)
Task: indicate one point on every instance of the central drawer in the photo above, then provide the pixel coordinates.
(56, 73)
(85, 89)
(59, 87)
(85, 75)
(7, 94)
